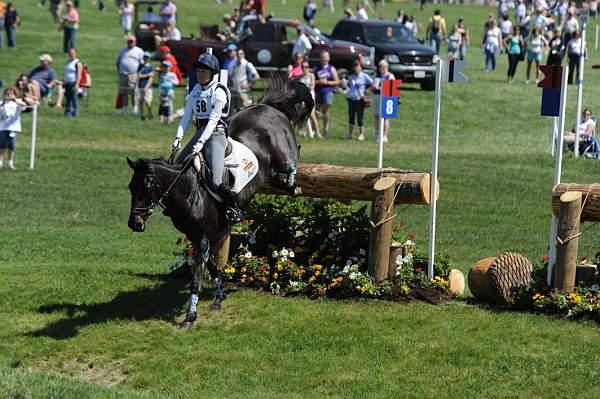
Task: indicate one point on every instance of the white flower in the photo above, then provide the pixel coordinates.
(291, 254)
(409, 243)
(293, 283)
(348, 263)
(399, 260)
(251, 240)
(248, 255)
(362, 252)
(346, 269)
(353, 275)
(283, 258)
(284, 252)
(595, 287)
(275, 254)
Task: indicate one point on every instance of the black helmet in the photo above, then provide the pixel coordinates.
(207, 61)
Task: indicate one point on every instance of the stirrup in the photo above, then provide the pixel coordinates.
(233, 215)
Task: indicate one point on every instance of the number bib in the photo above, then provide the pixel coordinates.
(204, 100)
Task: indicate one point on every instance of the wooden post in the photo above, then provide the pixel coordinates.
(381, 234)
(568, 242)
(222, 254)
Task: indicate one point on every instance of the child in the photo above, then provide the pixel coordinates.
(144, 89)
(10, 124)
(166, 81)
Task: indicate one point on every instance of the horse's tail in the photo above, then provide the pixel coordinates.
(291, 97)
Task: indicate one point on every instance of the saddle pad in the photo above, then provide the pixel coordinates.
(242, 163)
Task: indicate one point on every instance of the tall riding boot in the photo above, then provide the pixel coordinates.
(233, 213)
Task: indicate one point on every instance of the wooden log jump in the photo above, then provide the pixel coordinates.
(356, 183)
(569, 201)
(384, 187)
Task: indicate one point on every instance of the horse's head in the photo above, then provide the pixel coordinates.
(144, 193)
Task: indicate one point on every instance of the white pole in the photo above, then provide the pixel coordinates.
(553, 135)
(596, 41)
(381, 127)
(558, 169)
(434, 167)
(33, 134)
(580, 87)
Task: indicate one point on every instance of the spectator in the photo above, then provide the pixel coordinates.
(168, 12)
(70, 24)
(313, 26)
(361, 13)
(400, 16)
(29, 90)
(574, 54)
(520, 11)
(540, 21)
(502, 9)
(2, 13)
(465, 38)
(515, 45)
(71, 81)
(537, 45)
(358, 84)
(126, 11)
(584, 130)
(302, 43)
(491, 46)
(329, 4)
(166, 81)
(144, 86)
(348, 14)
(260, 7)
(524, 25)
(165, 55)
(55, 6)
(44, 75)
(436, 30)
(150, 16)
(557, 49)
(310, 10)
(570, 26)
(11, 21)
(505, 27)
(383, 74)
(412, 25)
(170, 32)
(243, 77)
(10, 124)
(227, 34)
(325, 84)
(231, 59)
(295, 70)
(308, 78)
(454, 42)
(128, 63)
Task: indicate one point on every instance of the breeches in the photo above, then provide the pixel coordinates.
(214, 152)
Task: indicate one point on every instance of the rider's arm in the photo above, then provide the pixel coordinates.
(186, 118)
(215, 115)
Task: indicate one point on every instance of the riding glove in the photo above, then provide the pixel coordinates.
(198, 147)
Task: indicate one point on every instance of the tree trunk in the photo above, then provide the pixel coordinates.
(356, 183)
(591, 208)
(568, 227)
(382, 211)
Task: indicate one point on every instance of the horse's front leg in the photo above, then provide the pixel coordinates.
(220, 294)
(196, 284)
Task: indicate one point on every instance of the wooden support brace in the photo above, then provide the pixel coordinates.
(382, 214)
(568, 234)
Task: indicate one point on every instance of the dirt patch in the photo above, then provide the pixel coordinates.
(108, 375)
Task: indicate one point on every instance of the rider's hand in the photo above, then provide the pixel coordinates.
(197, 148)
(176, 146)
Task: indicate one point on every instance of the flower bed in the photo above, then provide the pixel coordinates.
(318, 248)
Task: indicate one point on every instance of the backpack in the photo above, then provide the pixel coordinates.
(435, 24)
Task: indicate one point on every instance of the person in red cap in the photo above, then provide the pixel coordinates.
(167, 56)
(128, 63)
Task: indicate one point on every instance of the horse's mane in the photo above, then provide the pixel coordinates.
(291, 97)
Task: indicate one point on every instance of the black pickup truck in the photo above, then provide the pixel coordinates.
(409, 60)
(268, 46)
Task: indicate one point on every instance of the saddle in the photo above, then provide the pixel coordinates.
(241, 166)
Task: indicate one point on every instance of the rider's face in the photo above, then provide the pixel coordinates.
(203, 76)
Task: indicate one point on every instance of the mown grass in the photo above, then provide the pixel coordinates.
(86, 299)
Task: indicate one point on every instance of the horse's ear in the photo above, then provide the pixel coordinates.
(132, 164)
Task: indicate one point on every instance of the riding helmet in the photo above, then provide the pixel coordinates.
(207, 61)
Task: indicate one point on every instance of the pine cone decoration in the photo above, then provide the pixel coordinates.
(508, 271)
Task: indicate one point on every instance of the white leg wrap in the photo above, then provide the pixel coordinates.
(193, 303)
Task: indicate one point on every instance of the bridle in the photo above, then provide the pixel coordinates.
(155, 188)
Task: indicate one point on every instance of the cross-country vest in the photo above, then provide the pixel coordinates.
(204, 101)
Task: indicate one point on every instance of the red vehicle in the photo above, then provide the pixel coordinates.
(268, 46)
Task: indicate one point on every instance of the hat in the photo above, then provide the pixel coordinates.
(226, 16)
(167, 64)
(131, 38)
(147, 54)
(165, 49)
(231, 47)
(46, 57)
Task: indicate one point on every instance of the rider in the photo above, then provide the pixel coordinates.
(209, 103)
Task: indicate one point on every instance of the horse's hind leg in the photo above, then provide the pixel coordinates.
(196, 285)
(220, 294)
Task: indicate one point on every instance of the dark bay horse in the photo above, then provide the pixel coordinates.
(267, 128)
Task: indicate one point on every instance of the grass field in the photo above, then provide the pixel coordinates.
(87, 309)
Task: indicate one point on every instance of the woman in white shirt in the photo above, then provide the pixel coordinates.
(537, 45)
(586, 128)
(10, 124)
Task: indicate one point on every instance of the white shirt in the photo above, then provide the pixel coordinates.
(130, 60)
(541, 21)
(71, 71)
(506, 27)
(240, 73)
(301, 45)
(521, 9)
(583, 126)
(537, 43)
(205, 102)
(575, 46)
(571, 25)
(174, 34)
(362, 15)
(10, 116)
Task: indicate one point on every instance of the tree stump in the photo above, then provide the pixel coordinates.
(381, 234)
(568, 241)
(456, 282)
(493, 279)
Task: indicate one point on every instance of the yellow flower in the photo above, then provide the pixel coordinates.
(317, 267)
(243, 270)
(279, 266)
(301, 271)
(275, 275)
(317, 273)
(339, 279)
(537, 296)
(312, 279)
(244, 276)
(405, 289)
